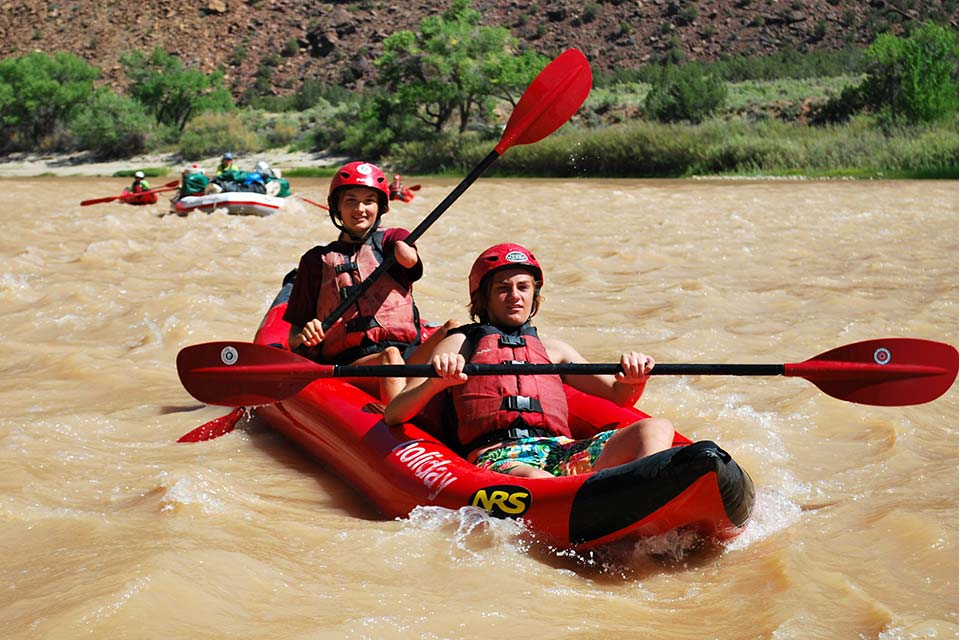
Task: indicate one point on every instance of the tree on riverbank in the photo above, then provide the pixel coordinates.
(39, 95)
(451, 75)
(171, 92)
(913, 79)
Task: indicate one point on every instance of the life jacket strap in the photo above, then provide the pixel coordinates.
(346, 291)
(507, 435)
(360, 323)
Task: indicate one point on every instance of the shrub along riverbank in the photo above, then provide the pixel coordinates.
(858, 149)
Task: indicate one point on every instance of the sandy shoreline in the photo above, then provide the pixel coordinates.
(22, 165)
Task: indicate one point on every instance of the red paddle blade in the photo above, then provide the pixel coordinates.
(214, 428)
(87, 203)
(889, 372)
(550, 100)
(239, 374)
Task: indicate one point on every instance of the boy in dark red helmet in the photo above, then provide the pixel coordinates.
(517, 424)
(383, 326)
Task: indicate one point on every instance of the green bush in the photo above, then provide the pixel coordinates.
(171, 92)
(448, 153)
(150, 172)
(39, 95)
(280, 132)
(717, 146)
(113, 126)
(686, 93)
(915, 78)
(326, 124)
(591, 11)
(209, 134)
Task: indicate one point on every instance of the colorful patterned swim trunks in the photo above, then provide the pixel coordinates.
(560, 456)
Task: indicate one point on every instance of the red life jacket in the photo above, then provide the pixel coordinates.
(385, 315)
(487, 404)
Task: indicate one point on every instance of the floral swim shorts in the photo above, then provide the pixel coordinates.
(560, 456)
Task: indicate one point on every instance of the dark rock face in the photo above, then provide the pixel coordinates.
(336, 42)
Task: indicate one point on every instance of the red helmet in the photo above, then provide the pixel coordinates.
(358, 174)
(502, 256)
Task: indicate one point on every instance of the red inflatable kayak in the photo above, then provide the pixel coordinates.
(694, 485)
(145, 197)
(405, 195)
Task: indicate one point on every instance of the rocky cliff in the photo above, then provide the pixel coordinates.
(277, 44)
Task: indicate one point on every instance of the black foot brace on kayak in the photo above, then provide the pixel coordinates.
(617, 498)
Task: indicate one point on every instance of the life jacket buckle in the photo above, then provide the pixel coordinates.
(512, 341)
(521, 403)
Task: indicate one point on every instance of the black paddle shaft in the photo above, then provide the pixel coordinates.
(390, 259)
(568, 368)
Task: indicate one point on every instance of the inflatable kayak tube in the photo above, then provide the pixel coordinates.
(696, 486)
(145, 197)
(235, 202)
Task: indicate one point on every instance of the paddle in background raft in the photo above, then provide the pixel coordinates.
(170, 186)
(552, 98)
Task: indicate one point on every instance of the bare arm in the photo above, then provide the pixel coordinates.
(624, 389)
(405, 254)
(448, 361)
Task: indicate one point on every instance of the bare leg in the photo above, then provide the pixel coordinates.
(386, 388)
(390, 387)
(636, 441)
(421, 355)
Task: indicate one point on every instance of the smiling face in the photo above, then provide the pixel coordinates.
(358, 207)
(511, 298)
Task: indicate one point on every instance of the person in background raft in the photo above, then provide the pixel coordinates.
(139, 183)
(228, 177)
(516, 424)
(193, 182)
(396, 187)
(399, 191)
(234, 180)
(383, 326)
(226, 164)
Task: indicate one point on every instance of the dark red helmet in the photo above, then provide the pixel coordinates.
(358, 174)
(502, 256)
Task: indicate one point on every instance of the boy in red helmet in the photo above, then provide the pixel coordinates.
(517, 424)
(383, 326)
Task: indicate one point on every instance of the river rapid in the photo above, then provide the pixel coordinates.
(111, 529)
